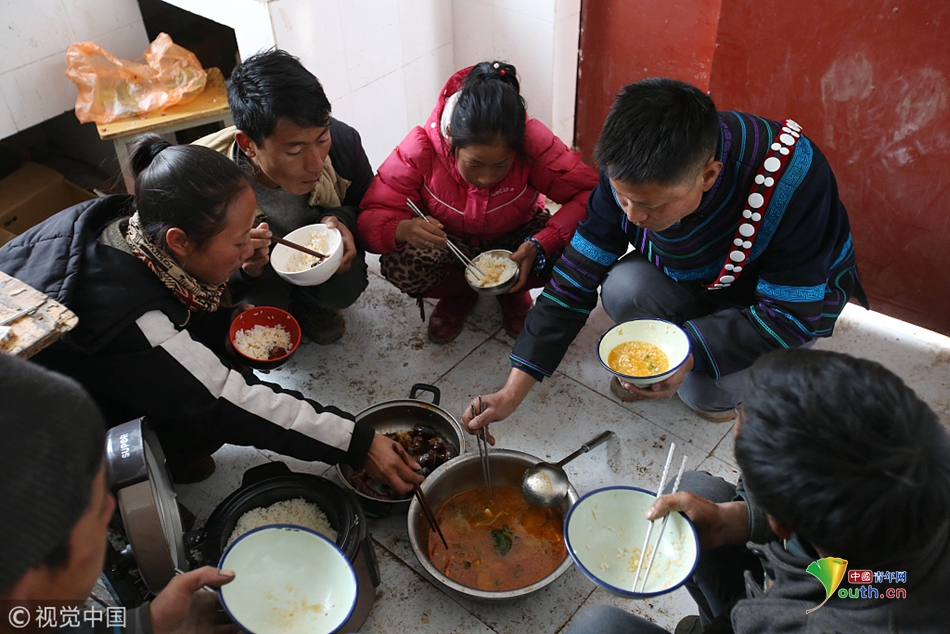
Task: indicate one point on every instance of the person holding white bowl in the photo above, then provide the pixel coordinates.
(146, 275)
(309, 168)
(737, 235)
(842, 465)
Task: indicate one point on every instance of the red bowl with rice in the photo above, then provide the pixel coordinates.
(264, 337)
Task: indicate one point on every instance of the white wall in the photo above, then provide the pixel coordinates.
(34, 36)
(381, 62)
(250, 20)
(540, 37)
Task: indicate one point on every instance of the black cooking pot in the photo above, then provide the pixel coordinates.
(273, 482)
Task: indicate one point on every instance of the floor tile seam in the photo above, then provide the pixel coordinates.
(429, 582)
(580, 606)
(462, 360)
(630, 407)
(489, 332)
(718, 444)
(607, 399)
(670, 434)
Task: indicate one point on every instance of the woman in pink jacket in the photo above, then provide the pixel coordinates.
(481, 170)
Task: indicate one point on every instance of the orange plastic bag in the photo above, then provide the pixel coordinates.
(111, 88)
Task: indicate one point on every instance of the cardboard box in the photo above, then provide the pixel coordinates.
(32, 194)
(5, 236)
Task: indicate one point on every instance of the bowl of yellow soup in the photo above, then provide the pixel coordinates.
(643, 351)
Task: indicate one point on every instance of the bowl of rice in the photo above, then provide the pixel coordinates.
(265, 337)
(287, 579)
(306, 270)
(643, 351)
(501, 272)
(605, 532)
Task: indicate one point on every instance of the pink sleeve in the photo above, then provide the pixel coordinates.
(384, 205)
(559, 174)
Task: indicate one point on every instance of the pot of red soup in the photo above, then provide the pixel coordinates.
(501, 549)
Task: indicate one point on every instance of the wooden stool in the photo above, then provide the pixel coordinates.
(208, 107)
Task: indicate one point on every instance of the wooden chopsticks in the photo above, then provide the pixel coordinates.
(298, 247)
(427, 511)
(424, 503)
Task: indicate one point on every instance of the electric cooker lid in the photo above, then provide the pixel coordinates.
(146, 499)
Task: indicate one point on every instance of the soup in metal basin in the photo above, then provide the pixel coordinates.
(497, 546)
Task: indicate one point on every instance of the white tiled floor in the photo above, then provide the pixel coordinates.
(385, 351)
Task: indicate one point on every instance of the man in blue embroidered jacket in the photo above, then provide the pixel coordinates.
(737, 233)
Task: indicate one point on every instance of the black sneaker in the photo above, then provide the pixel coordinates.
(617, 390)
(321, 325)
(200, 469)
(689, 625)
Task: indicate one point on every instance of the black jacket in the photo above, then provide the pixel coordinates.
(139, 351)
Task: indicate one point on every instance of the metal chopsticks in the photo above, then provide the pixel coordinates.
(659, 539)
(454, 249)
(482, 439)
(659, 490)
(666, 518)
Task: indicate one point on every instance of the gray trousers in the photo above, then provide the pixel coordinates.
(635, 288)
(715, 585)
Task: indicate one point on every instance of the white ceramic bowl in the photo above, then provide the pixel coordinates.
(604, 532)
(288, 579)
(501, 286)
(318, 274)
(667, 336)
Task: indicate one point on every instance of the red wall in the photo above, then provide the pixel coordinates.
(623, 41)
(869, 81)
(870, 84)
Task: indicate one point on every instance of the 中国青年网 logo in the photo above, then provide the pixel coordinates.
(831, 571)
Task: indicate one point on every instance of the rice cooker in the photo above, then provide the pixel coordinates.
(156, 544)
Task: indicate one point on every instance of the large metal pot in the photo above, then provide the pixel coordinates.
(461, 474)
(397, 416)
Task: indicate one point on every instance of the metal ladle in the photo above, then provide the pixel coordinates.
(545, 485)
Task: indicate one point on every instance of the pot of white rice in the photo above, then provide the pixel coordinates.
(273, 494)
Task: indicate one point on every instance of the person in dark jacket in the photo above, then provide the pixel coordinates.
(308, 168)
(737, 235)
(839, 459)
(146, 278)
(56, 513)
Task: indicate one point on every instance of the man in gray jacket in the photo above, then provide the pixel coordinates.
(309, 168)
(840, 459)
